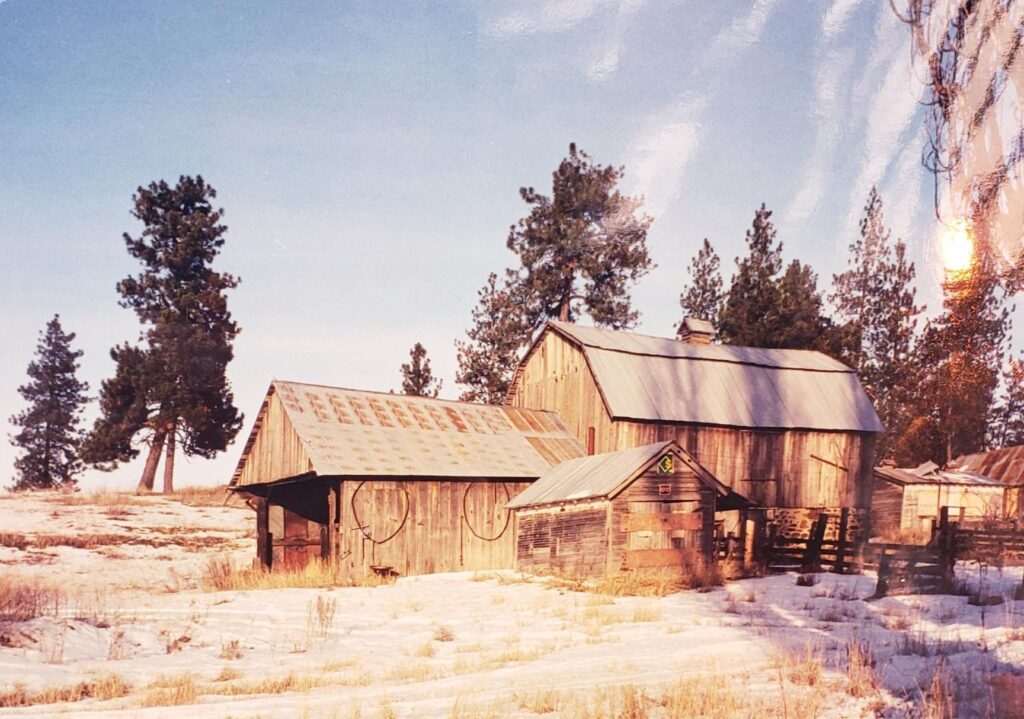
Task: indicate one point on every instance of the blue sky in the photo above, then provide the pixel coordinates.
(369, 156)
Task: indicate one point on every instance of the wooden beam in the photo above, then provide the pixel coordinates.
(660, 521)
(645, 558)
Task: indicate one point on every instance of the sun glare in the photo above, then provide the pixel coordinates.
(957, 247)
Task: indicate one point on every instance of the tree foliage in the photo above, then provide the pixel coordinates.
(487, 361)
(581, 248)
(876, 300)
(960, 355)
(417, 379)
(1007, 423)
(49, 434)
(172, 388)
(764, 308)
(702, 298)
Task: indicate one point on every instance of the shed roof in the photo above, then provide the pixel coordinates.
(359, 433)
(1006, 464)
(601, 476)
(931, 473)
(664, 380)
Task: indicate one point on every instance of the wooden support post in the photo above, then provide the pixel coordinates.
(812, 556)
(947, 550)
(707, 532)
(767, 547)
(331, 554)
(882, 588)
(842, 541)
(264, 551)
(743, 558)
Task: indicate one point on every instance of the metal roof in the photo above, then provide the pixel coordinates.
(930, 473)
(1006, 464)
(664, 380)
(358, 433)
(599, 476)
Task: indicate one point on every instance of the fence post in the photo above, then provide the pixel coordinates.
(883, 575)
(947, 547)
(841, 546)
(264, 539)
(767, 547)
(812, 556)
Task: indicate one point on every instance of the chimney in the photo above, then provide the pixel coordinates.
(696, 331)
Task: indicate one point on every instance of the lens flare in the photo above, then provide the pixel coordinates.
(957, 247)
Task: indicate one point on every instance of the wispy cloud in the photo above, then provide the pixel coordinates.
(660, 152)
(836, 17)
(890, 107)
(742, 33)
(560, 16)
(829, 110)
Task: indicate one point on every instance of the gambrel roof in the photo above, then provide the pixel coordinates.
(356, 433)
(663, 380)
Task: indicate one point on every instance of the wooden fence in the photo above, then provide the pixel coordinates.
(813, 553)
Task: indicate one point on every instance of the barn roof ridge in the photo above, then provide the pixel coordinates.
(401, 395)
(727, 354)
(932, 474)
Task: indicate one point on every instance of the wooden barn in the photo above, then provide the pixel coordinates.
(909, 500)
(789, 430)
(651, 506)
(390, 483)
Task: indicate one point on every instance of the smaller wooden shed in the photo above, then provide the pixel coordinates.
(1005, 465)
(650, 506)
(908, 500)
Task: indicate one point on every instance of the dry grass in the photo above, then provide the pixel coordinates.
(860, 671)
(22, 598)
(221, 574)
(658, 582)
(99, 498)
(803, 668)
(155, 537)
(109, 686)
(202, 496)
(231, 650)
(939, 700)
(443, 633)
(170, 691)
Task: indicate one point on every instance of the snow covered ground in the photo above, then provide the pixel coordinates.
(135, 635)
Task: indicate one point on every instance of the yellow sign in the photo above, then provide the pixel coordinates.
(665, 465)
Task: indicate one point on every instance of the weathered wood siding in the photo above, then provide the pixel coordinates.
(886, 508)
(277, 451)
(774, 468)
(566, 539)
(923, 502)
(423, 526)
(660, 520)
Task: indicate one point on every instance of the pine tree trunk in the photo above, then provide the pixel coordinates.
(152, 460)
(169, 462)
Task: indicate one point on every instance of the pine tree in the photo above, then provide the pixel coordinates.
(417, 378)
(750, 313)
(487, 361)
(49, 436)
(702, 298)
(581, 248)
(876, 300)
(960, 355)
(174, 389)
(1007, 423)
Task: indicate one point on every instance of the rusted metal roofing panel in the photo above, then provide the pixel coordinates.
(1005, 465)
(689, 390)
(929, 473)
(350, 432)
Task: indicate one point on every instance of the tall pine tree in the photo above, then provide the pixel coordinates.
(581, 248)
(702, 297)
(960, 355)
(876, 300)
(173, 390)
(750, 315)
(1007, 424)
(487, 360)
(49, 435)
(417, 379)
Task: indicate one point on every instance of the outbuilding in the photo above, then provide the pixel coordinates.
(909, 500)
(650, 506)
(390, 483)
